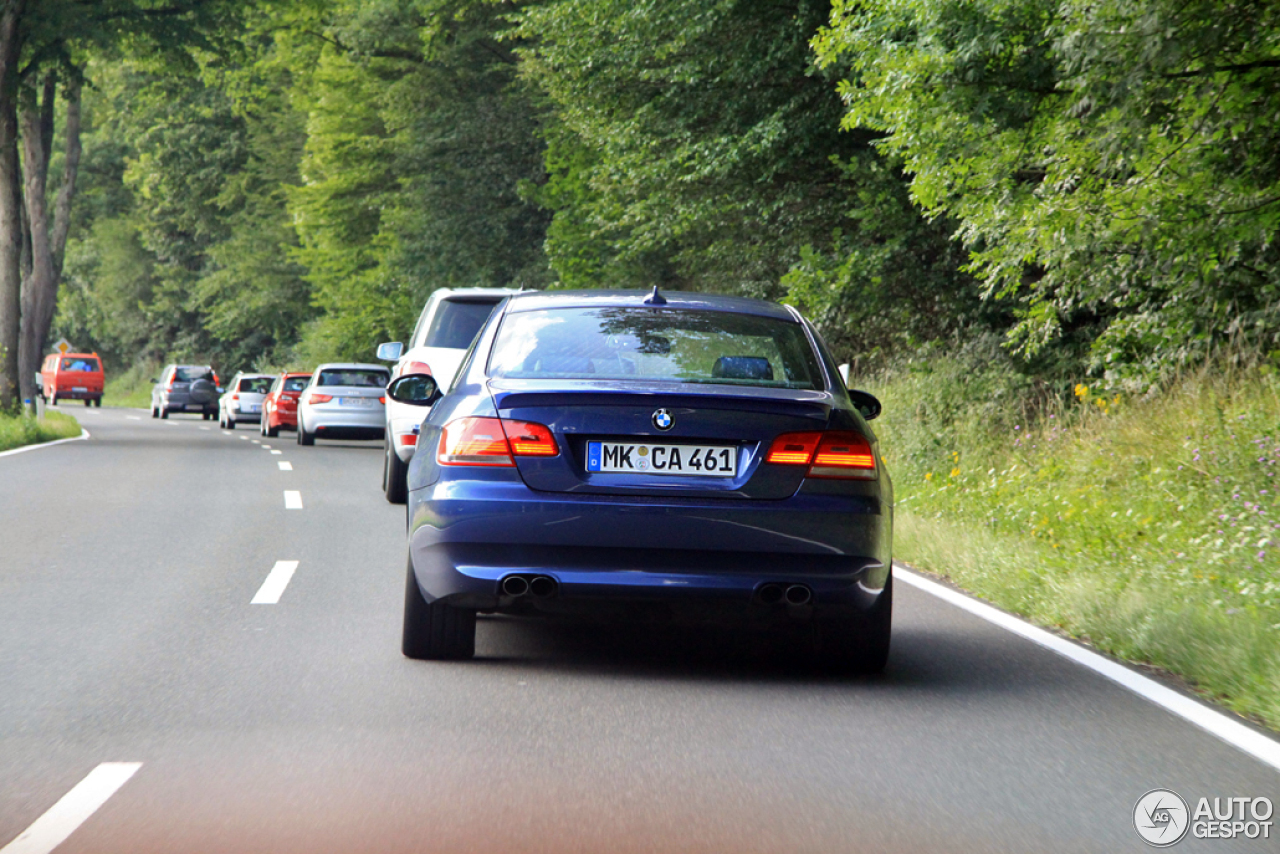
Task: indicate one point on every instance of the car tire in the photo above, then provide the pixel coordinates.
(436, 631)
(164, 413)
(155, 413)
(858, 646)
(267, 430)
(395, 476)
(97, 401)
(305, 438)
(87, 403)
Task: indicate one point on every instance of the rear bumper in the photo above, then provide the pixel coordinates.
(328, 417)
(697, 558)
(67, 394)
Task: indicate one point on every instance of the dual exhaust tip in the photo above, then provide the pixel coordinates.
(538, 586)
(790, 594)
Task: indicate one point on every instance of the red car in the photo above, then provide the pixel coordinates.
(280, 407)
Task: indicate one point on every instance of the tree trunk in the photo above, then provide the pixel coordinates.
(10, 207)
(40, 290)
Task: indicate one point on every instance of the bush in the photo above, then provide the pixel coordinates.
(19, 430)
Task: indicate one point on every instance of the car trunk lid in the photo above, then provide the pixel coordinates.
(617, 423)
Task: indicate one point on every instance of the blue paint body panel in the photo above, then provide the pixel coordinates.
(694, 544)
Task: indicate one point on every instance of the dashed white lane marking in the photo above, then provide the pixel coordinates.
(1238, 735)
(204, 428)
(255, 441)
(61, 820)
(267, 447)
(244, 438)
(285, 465)
(277, 452)
(84, 434)
(292, 499)
(133, 418)
(277, 580)
(227, 433)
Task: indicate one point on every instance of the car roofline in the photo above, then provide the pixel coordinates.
(675, 301)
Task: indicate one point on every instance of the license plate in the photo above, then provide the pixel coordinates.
(357, 401)
(79, 388)
(704, 460)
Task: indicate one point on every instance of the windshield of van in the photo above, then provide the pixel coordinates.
(676, 345)
(457, 322)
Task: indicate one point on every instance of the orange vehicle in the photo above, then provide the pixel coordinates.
(72, 376)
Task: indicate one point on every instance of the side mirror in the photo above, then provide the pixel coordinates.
(414, 389)
(865, 403)
(390, 351)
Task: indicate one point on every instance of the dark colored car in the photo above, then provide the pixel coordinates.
(280, 407)
(185, 388)
(614, 454)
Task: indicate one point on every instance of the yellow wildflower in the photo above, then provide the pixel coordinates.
(955, 472)
(1081, 390)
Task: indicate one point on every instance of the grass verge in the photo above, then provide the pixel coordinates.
(19, 430)
(131, 388)
(1147, 526)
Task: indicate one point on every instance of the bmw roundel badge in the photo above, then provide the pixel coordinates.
(662, 419)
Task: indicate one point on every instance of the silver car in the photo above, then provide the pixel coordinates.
(242, 400)
(185, 388)
(343, 401)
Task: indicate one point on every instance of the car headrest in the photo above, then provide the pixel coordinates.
(742, 368)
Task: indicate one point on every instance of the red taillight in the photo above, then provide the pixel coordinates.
(493, 442)
(383, 400)
(474, 442)
(528, 439)
(319, 398)
(793, 449)
(169, 385)
(234, 398)
(408, 438)
(833, 454)
(413, 368)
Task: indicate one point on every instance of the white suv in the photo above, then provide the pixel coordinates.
(447, 326)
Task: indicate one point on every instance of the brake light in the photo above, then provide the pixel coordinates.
(793, 449)
(408, 438)
(319, 398)
(169, 385)
(383, 400)
(474, 442)
(838, 454)
(234, 398)
(528, 439)
(413, 368)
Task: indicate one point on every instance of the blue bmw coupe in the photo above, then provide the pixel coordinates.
(617, 453)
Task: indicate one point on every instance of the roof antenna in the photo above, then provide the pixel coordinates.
(655, 298)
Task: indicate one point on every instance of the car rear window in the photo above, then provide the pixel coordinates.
(296, 383)
(655, 344)
(457, 322)
(190, 374)
(90, 365)
(255, 385)
(354, 377)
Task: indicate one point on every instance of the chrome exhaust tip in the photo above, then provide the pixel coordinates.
(514, 585)
(771, 594)
(543, 586)
(798, 594)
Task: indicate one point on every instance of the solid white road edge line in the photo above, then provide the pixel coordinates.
(84, 434)
(285, 465)
(277, 580)
(1236, 734)
(61, 820)
(292, 499)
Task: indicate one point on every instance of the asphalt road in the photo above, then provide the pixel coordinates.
(127, 568)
